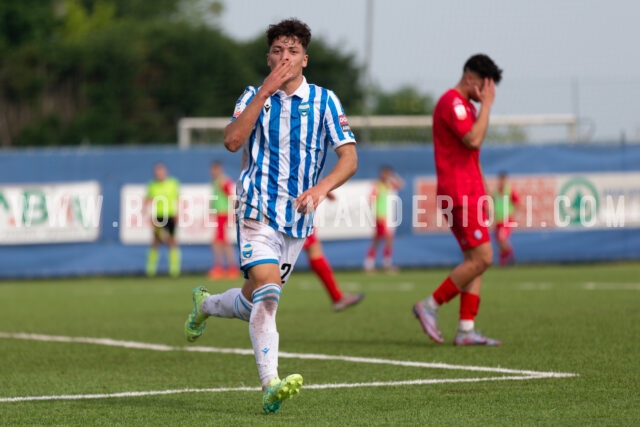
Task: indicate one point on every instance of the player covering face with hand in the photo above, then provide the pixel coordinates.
(458, 134)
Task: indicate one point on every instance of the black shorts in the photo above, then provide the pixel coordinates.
(167, 225)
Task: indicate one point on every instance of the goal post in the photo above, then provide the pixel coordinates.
(187, 125)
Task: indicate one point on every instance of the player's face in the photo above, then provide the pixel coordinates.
(216, 171)
(160, 172)
(288, 49)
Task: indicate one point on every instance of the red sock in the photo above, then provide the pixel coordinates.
(371, 253)
(504, 255)
(469, 304)
(387, 252)
(510, 255)
(446, 291)
(321, 267)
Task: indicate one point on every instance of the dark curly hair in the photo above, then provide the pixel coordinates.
(483, 66)
(290, 28)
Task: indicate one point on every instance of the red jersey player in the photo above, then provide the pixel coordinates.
(223, 250)
(321, 267)
(458, 133)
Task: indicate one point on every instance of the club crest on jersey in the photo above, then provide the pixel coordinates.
(247, 250)
(304, 109)
(344, 123)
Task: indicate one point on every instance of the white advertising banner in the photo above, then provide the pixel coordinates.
(349, 216)
(50, 213)
(196, 223)
(551, 202)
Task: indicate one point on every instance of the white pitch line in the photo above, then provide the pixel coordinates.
(124, 394)
(516, 374)
(232, 389)
(595, 286)
(587, 286)
(248, 352)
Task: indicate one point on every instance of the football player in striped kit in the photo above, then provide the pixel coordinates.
(285, 129)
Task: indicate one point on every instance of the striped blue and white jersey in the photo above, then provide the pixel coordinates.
(286, 152)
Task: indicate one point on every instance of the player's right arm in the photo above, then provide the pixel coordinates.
(238, 131)
(473, 138)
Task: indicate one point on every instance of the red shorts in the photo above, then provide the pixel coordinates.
(503, 231)
(310, 240)
(469, 226)
(382, 230)
(220, 233)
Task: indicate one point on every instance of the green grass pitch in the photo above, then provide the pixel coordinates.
(582, 320)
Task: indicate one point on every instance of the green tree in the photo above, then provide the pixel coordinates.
(508, 134)
(125, 71)
(25, 21)
(404, 101)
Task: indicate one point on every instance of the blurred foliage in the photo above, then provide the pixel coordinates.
(506, 134)
(406, 100)
(124, 71)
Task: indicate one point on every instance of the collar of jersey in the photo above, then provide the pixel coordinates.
(301, 92)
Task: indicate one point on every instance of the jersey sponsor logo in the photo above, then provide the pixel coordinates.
(344, 123)
(238, 109)
(304, 109)
(267, 107)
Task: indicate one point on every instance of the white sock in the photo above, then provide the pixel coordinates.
(263, 331)
(432, 304)
(466, 325)
(228, 304)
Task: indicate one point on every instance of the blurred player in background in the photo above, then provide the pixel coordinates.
(458, 134)
(505, 201)
(388, 183)
(321, 267)
(162, 197)
(285, 128)
(223, 251)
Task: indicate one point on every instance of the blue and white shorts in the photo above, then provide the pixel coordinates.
(259, 243)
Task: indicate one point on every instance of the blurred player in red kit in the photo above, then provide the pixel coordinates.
(505, 201)
(223, 251)
(321, 267)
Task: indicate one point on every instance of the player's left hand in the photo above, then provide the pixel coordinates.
(309, 200)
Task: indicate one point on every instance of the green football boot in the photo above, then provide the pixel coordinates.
(197, 320)
(278, 390)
